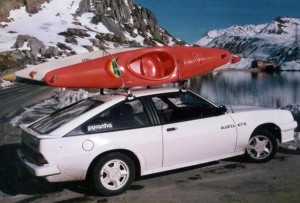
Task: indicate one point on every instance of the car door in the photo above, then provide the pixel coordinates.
(193, 128)
(127, 126)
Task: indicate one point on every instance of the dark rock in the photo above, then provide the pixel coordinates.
(33, 6)
(89, 48)
(134, 43)
(36, 46)
(149, 42)
(76, 23)
(109, 23)
(72, 53)
(84, 6)
(71, 40)
(72, 33)
(97, 19)
(64, 46)
(12, 60)
(112, 38)
(95, 42)
(75, 32)
(121, 39)
(129, 27)
(6, 6)
(51, 52)
(78, 32)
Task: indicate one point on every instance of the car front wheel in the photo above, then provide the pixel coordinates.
(113, 174)
(261, 147)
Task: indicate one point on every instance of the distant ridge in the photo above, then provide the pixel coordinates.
(274, 41)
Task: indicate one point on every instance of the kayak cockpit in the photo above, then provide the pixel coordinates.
(153, 66)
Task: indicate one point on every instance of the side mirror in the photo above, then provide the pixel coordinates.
(222, 109)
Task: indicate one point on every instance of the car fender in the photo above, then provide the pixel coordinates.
(117, 147)
(248, 120)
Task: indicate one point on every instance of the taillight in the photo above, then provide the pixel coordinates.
(34, 155)
(41, 159)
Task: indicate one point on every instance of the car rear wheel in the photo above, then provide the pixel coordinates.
(113, 174)
(261, 147)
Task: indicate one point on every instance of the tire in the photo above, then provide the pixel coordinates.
(261, 147)
(113, 174)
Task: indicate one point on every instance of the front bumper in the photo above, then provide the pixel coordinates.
(287, 132)
(36, 170)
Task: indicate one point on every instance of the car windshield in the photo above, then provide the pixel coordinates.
(62, 116)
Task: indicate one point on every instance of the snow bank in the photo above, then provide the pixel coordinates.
(291, 65)
(58, 101)
(66, 98)
(5, 84)
(244, 63)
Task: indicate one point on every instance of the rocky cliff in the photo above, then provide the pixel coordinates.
(32, 6)
(39, 30)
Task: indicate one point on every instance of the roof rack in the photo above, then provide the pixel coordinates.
(130, 96)
(182, 85)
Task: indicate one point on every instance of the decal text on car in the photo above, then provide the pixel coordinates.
(92, 128)
(227, 126)
(242, 124)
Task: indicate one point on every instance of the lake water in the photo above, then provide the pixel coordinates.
(249, 87)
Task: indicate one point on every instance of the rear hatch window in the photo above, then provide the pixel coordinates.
(63, 116)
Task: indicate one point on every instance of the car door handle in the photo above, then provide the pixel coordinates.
(171, 129)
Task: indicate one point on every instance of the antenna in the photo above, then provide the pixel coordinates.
(183, 85)
(227, 95)
(130, 96)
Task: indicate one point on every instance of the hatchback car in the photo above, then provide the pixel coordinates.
(111, 138)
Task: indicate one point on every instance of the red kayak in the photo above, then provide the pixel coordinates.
(142, 67)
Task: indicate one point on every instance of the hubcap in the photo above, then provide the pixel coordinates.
(259, 147)
(114, 174)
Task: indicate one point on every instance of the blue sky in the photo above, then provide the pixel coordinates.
(190, 19)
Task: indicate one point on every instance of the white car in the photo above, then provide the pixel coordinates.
(112, 138)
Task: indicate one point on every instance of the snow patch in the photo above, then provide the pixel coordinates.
(275, 42)
(291, 65)
(66, 98)
(5, 83)
(58, 101)
(244, 63)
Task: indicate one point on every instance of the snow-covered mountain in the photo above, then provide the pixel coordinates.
(32, 31)
(277, 42)
(236, 30)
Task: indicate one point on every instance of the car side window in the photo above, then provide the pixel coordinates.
(127, 115)
(182, 106)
